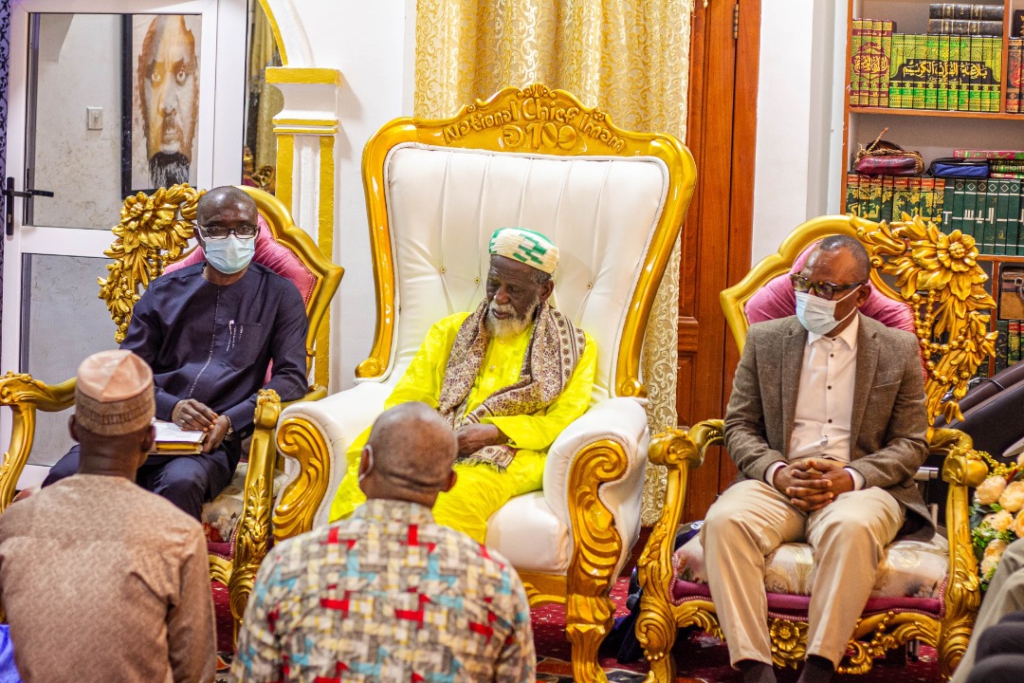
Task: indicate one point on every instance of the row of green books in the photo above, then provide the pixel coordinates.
(945, 72)
(1008, 344)
(908, 71)
(886, 198)
(991, 211)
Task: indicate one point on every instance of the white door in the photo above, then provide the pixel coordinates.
(105, 97)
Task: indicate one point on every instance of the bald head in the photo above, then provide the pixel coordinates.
(224, 199)
(409, 455)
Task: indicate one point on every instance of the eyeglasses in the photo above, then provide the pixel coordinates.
(825, 290)
(242, 232)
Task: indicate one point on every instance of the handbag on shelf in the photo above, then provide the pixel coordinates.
(952, 167)
(886, 158)
(1011, 295)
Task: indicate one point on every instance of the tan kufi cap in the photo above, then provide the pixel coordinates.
(114, 393)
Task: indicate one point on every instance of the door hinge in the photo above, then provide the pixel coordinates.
(736, 21)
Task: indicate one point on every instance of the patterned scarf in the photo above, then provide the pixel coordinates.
(551, 357)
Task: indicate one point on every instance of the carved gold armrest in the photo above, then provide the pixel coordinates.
(962, 469)
(253, 537)
(299, 439)
(679, 451)
(24, 396)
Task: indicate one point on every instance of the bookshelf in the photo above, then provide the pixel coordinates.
(934, 132)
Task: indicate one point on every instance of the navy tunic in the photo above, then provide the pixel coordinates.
(214, 343)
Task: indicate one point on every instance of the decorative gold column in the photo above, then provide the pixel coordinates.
(306, 131)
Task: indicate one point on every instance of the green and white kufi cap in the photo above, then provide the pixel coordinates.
(525, 246)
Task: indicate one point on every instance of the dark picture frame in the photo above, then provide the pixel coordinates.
(160, 61)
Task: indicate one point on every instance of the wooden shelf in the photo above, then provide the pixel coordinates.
(938, 113)
(1000, 258)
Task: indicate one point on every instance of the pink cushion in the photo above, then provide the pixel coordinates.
(785, 606)
(777, 300)
(269, 253)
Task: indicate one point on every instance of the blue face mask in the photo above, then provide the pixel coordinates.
(229, 255)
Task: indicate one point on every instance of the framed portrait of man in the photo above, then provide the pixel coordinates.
(160, 100)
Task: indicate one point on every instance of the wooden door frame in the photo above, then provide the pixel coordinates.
(721, 133)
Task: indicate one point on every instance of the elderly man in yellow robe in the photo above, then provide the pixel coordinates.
(508, 378)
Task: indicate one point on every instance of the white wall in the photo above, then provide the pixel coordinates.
(371, 43)
(799, 117)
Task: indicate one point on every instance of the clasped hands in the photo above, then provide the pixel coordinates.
(813, 483)
(191, 415)
(473, 437)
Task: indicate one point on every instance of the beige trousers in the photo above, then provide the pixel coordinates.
(1005, 594)
(751, 519)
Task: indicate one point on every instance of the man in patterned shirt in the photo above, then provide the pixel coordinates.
(388, 594)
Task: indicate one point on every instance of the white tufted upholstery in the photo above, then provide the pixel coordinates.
(443, 206)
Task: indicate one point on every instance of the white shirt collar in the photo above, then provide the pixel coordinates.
(849, 335)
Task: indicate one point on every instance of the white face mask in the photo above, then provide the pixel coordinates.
(231, 254)
(817, 315)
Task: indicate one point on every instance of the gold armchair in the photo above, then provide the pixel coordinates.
(937, 276)
(613, 201)
(154, 233)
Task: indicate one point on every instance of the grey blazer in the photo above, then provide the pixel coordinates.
(889, 423)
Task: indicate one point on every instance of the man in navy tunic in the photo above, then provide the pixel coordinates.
(210, 332)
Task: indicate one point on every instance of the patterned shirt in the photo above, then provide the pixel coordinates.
(386, 595)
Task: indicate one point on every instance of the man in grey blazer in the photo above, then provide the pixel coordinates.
(827, 426)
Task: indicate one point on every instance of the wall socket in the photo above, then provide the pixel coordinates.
(94, 118)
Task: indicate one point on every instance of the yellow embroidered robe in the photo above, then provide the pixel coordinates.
(480, 490)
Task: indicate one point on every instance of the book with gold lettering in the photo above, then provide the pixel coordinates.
(885, 58)
(1013, 76)
(931, 87)
(965, 11)
(942, 74)
(170, 439)
(872, 51)
(856, 79)
(966, 27)
(977, 74)
(963, 79)
(853, 194)
(896, 58)
(1014, 233)
(1013, 342)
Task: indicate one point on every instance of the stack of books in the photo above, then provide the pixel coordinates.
(1002, 164)
(965, 19)
(1008, 344)
(955, 67)
(886, 198)
(870, 60)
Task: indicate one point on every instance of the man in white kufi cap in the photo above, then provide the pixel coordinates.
(102, 580)
(508, 378)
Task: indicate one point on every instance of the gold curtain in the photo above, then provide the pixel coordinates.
(267, 99)
(630, 57)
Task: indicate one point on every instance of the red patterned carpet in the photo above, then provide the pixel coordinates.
(699, 658)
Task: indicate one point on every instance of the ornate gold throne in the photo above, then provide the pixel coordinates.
(613, 202)
(925, 591)
(153, 234)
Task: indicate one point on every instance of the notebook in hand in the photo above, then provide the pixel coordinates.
(173, 440)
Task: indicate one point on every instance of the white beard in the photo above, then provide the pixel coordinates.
(512, 326)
